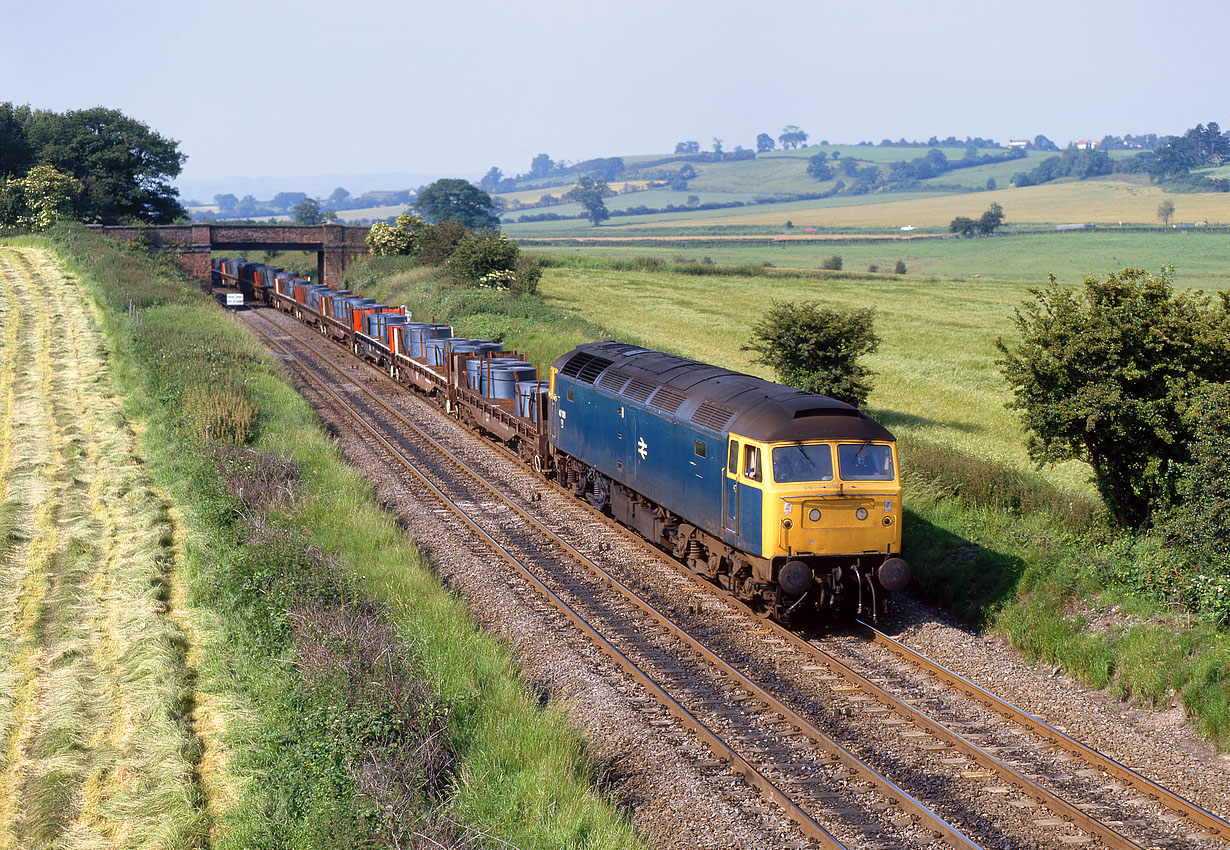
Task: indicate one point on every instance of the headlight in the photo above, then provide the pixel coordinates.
(861, 513)
(814, 515)
(786, 523)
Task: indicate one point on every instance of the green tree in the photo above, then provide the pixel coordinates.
(338, 196)
(38, 200)
(226, 203)
(484, 259)
(125, 168)
(764, 143)
(819, 168)
(541, 165)
(791, 137)
(1165, 211)
(1200, 523)
(1106, 373)
(589, 193)
(308, 211)
(991, 220)
(491, 180)
(687, 147)
(453, 199)
(384, 240)
(435, 243)
(817, 349)
(16, 156)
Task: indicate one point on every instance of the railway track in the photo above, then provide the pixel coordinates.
(862, 779)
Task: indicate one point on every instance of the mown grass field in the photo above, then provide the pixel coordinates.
(104, 741)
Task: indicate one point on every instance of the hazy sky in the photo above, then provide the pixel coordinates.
(358, 86)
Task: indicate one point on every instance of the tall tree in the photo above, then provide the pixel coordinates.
(541, 165)
(764, 143)
(16, 157)
(1165, 210)
(338, 196)
(791, 137)
(453, 199)
(589, 193)
(123, 165)
(225, 203)
(308, 211)
(491, 180)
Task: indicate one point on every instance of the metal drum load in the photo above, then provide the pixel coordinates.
(504, 379)
(529, 396)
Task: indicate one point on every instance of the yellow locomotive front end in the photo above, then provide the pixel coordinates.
(832, 523)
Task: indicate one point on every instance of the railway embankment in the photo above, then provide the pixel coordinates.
(1005, 550)
(352, 699)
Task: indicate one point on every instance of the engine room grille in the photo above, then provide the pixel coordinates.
(667, 400)
(585, 367)
(612, 380)
(712, 416)
(638, 390)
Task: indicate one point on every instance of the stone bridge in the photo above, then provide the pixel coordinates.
(336, 245)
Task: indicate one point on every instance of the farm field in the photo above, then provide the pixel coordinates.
(1199, 257)
(935, 372)
(98, 716)
(1100, 201)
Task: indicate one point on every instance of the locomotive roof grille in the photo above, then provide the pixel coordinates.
(638, 390)
(712, 416)
(612, 380)
(667, 400)
(585, 367)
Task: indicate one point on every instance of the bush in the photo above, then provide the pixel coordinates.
(900, 267)
(816, 349)
(832, 264)
(1200, 523)
(435, 243)
(1107, 374)
(482, 259)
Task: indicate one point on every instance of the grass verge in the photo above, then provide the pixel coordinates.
(1025, 554)
(295, 587)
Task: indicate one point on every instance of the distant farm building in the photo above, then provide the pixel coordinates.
(1018, 143)
(1086, 145)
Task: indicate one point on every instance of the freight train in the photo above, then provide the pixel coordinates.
(790, 501)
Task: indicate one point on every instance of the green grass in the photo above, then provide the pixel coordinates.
(521, 774)
(1198, 257)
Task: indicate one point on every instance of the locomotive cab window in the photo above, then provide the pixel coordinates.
(802, 463)
(699, 447)
(865, 462)
(570, 394)
(732, 461)
(751, 462)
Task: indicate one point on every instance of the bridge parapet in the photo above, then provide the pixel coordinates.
(336, 245)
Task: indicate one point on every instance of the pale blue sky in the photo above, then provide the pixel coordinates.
(359, 86)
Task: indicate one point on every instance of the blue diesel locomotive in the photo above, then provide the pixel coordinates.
(786, 498)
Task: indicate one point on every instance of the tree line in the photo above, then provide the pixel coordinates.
(96, 165)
